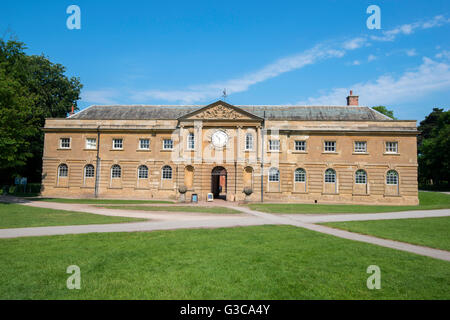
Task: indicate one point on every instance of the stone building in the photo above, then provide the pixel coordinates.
(309, 154)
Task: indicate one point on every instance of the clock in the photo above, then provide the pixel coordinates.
(219, 139)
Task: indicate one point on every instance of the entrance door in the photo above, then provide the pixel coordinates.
(219, 183)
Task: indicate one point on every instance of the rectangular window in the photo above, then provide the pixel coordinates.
(144, 144)
(360, 146)
(64, 143)
(91, 143)
(248, 142)
(168, 144)
(117, 144)
(391, 147)
(300, 145)
(191, 141)
(274, 145)
(330, 146)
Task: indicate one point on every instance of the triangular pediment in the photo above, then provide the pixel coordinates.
(220, 110)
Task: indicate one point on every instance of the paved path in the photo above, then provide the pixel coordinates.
(368, 216)
(168, 221)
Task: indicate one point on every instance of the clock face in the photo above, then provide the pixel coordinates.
(219, 139)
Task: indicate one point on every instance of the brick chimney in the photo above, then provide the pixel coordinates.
(352, 100)
(72, 112)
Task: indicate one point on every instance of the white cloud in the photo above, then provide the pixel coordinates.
(411, 52)
(354, 43)
(356, 63)
(106, 96)
(407, 29)
(443, 54)
(208, 91)
(429, 77)
(371, 57)
(203, 92)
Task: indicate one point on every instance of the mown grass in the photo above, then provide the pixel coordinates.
(428, 201)
(199, 209)
(430, 232)
(264, 262)
(20, 216)
(100, 201)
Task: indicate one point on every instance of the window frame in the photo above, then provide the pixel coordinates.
(390, 143)
(272, 144)
(61, 142)
(325, 146)
(164, 172)
(112, 171)
(190, 141)
(63, 165)
(85, 170)
(249, 142)
(389, 179)
(355, 150)
(326, 175)
(164, 144)
(297, 174)
(296, 144)
(358, 176)
(114, 143)
(140, 143)
(144, 176)
(86, 145)
(271, 175)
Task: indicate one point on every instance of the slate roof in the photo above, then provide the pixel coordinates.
(144, 112)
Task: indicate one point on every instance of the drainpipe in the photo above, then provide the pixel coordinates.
(262, 156)
(97, 166)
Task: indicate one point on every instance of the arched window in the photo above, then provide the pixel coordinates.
(167, 173)
(143, 172)
(392, 177)
(248, 141)
(300, 175)
(330, 176)
(63, 170)
(116, 171)
(274, 175)
(89, 171)
(360, 177)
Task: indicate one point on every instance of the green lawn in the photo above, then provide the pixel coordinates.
(430, 232)
(192, 208)
(264, 262)
(99, 201)
(428, 201)
(20, 216)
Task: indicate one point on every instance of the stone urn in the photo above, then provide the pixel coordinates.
(182, 190)
(247, 191)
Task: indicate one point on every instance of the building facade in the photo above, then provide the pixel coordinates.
(308, 154)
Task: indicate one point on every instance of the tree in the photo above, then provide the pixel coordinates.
(434, 148)
(385, 111)
(32, 88)
(427, 126)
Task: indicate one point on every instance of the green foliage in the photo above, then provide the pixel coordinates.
(385, 111)
(434, 148)
(31, 89)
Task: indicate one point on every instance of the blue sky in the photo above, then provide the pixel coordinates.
(262, 52)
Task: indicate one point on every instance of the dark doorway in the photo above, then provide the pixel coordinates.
(219, 183)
